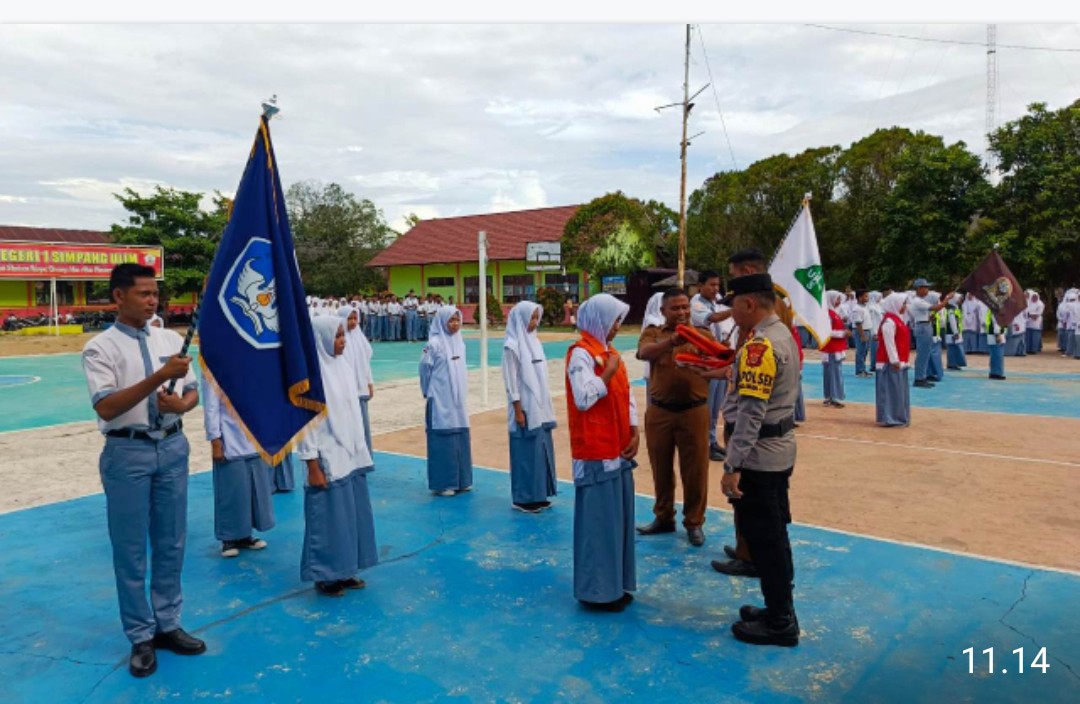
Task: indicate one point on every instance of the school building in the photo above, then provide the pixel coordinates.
(441, 256)
(33, 259)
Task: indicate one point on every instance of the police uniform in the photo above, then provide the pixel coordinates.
(144, 470)
(762, 450)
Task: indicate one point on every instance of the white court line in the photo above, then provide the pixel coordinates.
(968, 453)
(33, 380)
(904, 543)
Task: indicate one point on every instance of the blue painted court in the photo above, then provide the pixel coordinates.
(473, 602)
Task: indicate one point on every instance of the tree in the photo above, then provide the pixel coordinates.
(336, 234)
(616, 234)
(928, 215)
(1036, 209)
(412, 220)
(755, 207)
(174, 219)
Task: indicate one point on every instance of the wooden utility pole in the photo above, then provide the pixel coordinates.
(682, 179)
(687, 106)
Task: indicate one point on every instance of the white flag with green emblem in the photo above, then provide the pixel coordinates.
(796, 272)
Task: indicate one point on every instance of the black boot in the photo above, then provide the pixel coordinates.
(778, 630)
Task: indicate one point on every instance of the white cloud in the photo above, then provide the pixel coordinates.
(457, 119)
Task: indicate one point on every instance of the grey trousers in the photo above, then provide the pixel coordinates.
(146, 486)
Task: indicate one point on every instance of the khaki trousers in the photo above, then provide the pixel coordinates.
(686, 432)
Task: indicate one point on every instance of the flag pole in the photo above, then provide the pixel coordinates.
(482, 310)
(269, 110)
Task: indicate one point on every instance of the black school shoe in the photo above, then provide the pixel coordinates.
(782, 632)
(143, 662)
(330, 588)
(614, 607)
(179, 642)
(735, 568)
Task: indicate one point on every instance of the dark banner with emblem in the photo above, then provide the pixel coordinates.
(993, 284)
(255, 337)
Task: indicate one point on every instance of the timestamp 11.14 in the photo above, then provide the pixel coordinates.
(1039, 663)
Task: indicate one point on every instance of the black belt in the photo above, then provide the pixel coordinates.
(145, 435)
(768, 430)
(677, 407)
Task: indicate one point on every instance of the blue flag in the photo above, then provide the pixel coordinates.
(255, 338)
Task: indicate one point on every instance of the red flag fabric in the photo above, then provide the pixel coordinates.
(993, 284)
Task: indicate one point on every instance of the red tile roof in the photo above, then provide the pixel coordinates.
(447, 240)
(12, 233)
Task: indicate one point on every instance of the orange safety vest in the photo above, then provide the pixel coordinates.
(603, 431)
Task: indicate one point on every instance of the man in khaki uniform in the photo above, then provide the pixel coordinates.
(761, 456)
(677, 419)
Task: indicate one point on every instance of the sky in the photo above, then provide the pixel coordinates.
(444, 120)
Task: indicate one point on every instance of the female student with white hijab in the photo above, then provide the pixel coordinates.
(603, 443)
(834, 352)
(444, 381)
(530, 414)
(653, 316)
(893, 395)
(339, 534)
(358, 353)
(1033, 325)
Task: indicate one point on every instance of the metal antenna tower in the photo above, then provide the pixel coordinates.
(991, 96)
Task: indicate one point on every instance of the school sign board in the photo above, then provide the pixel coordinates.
(35, 260)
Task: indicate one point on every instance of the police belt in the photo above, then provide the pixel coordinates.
(768, 430)
(145, 435)
(677, 407)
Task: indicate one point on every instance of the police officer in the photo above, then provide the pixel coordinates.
(761, 456)
(144, 464)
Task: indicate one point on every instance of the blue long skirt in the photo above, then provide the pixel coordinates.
(971, 343)
(800, 405)
(1014, 346)
(339, 530)
(285, 475)
(367, 421)
(242, 503)
(893, 396)
(1033, 339)
(532, 464)
(449, 457)
(955, 356)
(833, 378)
(605, 565)
(1062, 340)
(1070, 343)
(981, 345)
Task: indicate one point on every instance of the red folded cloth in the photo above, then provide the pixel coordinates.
(689, 359)
(710, 348)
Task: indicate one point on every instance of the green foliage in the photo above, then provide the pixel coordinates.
(928, 216)
(336, 234)
(753, 208)
(616, 234)
(553, 301)
(1036, 208)
(494, 310)
(173, 219)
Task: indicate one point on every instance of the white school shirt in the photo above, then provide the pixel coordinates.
(860, 317)
(118, 358)
(588, 388)
(411, 303)
(220, 425)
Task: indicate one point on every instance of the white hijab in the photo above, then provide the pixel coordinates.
(343, 417)
(894, 303)
(653, 316)
(451, 346)
(598, 315)
(531, 360)
(358, 350)
(833, 299)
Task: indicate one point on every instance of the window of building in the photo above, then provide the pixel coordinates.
(472, 288)
(518, 287)
(441, 282)
(567, 284)
(65, 293)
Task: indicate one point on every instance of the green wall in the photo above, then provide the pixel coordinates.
(402, 278)
(12, 294)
